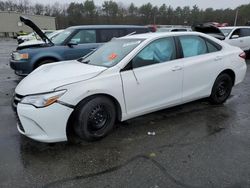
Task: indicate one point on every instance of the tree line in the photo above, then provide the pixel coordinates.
(111, 12)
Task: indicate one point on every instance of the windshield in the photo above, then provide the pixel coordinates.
(60, 38)
(226, 32)
(112, 52)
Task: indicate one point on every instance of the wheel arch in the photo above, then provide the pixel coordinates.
(35, 65)
(230, 72)
(70, 122)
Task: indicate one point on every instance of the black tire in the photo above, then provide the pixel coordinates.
(221, 89)
(43, 62)
(95, 118)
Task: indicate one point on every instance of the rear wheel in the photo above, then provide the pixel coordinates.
(95, 118)
(221, 89)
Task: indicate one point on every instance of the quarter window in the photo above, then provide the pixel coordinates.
(84, 36)
(193, 46)
(159, 51)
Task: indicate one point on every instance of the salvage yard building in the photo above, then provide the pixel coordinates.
(10, 23)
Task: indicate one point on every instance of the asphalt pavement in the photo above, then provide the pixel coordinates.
(195, 145)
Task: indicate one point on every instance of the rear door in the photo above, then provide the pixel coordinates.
(85, 40)
(202, 60)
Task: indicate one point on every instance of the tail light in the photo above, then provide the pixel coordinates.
(243, 55)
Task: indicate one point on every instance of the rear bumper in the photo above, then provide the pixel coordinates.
(240, 73)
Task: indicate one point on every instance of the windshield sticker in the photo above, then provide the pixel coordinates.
(112, 56)
(131, 43)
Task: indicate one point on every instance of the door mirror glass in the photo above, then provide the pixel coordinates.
(235, 36)
(72, 43)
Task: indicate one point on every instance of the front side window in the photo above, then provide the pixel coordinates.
(236, 33)
(84, 36)
(193, 46)
(159, 51)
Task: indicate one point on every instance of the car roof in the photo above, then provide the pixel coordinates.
(105, 26)
(234, 27)
(160, 34)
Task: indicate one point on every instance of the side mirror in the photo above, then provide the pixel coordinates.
(235, 36)
(72, 43)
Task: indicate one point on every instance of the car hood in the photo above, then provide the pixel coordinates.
(210, 30)
(31, 43)
(33, 26)
(51, 76)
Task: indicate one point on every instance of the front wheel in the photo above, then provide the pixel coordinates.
(95, 118)
(221, 89)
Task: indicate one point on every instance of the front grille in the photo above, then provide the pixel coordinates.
(16, 99)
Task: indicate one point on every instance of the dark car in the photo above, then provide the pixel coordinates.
(72, 43)
(209, 29)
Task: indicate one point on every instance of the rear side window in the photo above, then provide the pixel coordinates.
(84, 36)
(193, 45)
(137, 30)
(213, 47)
(107, 34)
(244, 32)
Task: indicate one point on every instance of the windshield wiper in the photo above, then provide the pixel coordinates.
(85, 62)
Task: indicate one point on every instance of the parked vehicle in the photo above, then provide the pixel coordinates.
(173, 28)
(72, 43)
(238, 36)
(36, 42)
(32, 36)
(125, 78)
(209, 29)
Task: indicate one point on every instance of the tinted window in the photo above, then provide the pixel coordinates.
(84, 36)
(193, 46)
(159, 51)
(178, 30)
(137, 30)
(236, 32)
(107, 34)
(245, 32)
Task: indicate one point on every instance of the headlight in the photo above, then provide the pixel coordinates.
(43, 100)
(17, 56)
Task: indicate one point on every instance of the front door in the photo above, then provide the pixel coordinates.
(83, 42)
(155, 80)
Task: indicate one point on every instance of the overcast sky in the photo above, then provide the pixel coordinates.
(174, 3)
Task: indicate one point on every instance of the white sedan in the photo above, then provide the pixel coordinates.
(125, 78)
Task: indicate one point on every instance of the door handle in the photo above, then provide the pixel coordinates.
(218, 58)
(176, 68)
